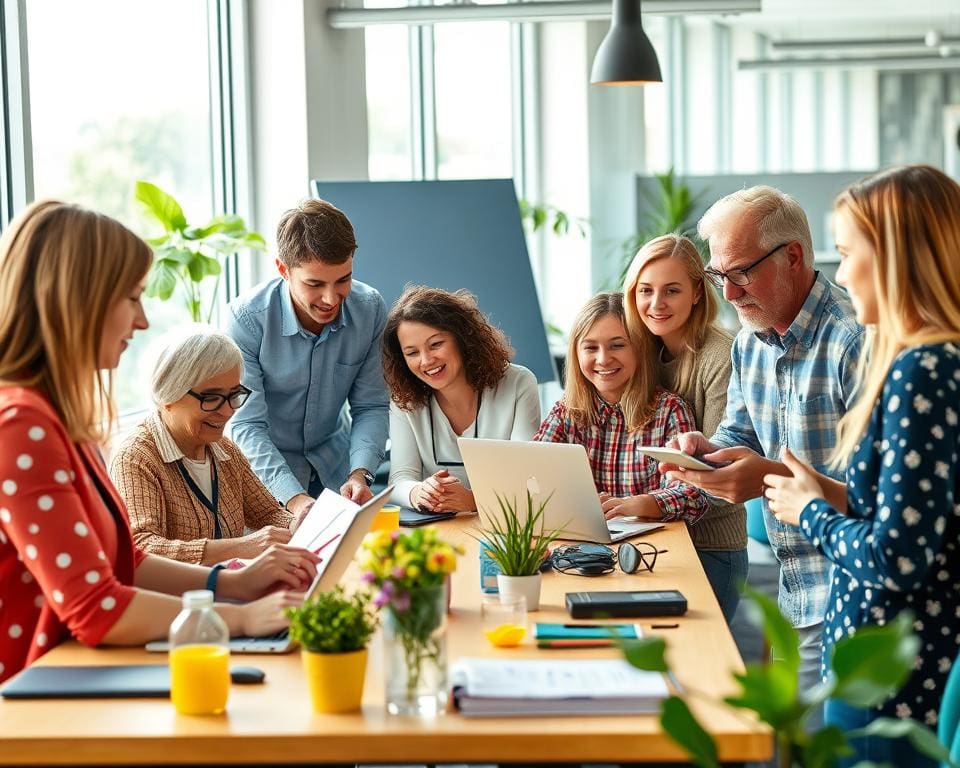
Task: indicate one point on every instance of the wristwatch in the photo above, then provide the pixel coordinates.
(368, 477)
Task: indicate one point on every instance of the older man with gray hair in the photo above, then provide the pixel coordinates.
(794, 375)
(189, 490)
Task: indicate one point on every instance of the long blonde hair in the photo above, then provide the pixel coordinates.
(62, 269)
(638, 403)
(703, 314)
(911, 216)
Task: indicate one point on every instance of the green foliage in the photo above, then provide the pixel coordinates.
(185, 255)
(866, 669)
(518, 544)
(561, 223)
(333, 622)
(669, 210)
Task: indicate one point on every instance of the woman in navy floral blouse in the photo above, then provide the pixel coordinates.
(893, 532)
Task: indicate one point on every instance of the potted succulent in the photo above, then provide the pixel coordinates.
(518, 544)
(333, 630)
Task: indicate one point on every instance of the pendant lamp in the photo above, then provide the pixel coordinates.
(626, 55)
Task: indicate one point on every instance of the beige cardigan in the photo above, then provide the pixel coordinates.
(724, 526)
(165, 516)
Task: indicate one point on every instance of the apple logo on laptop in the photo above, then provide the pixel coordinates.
(533, 486)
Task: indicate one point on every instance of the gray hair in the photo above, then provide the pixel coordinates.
(191, 359)
(775, 215)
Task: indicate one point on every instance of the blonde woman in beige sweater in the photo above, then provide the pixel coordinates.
(666, 298)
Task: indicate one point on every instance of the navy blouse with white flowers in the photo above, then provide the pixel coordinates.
(897, 546)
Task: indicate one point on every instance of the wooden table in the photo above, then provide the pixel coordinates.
(273, 723)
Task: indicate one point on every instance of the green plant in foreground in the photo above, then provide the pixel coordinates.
(865, 670)
(185, 255)
(333, 622)
(518, 545)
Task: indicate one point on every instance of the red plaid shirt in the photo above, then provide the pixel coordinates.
(617, 467)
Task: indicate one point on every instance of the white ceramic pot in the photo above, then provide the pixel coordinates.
(528, 586)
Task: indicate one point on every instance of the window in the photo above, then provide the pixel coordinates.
(473, 98)
(120, 91)
(388, 103)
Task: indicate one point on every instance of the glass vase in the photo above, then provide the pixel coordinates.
(415, 654)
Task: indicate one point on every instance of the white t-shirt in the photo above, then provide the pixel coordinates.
(508, 411)
(201, 474)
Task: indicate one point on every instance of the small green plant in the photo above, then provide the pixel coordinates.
(185, 255)
(865, 669)
(333, 622)
(561, 223)
(518, 544)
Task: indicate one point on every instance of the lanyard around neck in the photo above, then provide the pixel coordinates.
(433, 436)
(212, 505)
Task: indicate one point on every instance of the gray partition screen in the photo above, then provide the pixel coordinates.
(449, 234)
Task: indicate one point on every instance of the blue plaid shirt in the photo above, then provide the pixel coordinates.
(792, 391)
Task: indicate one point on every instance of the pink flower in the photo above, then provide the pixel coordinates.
(401, 601)
(399, 572)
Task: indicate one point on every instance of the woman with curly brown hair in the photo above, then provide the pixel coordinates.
(449, 374)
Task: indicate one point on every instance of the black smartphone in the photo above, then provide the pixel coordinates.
(600, 605)
(412, 518)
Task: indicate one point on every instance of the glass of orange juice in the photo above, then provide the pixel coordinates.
(504, 619)
(387, 519)
(200, 678)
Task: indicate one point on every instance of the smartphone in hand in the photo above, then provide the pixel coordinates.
(681, 459)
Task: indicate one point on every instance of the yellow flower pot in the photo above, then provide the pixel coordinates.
(335, 679)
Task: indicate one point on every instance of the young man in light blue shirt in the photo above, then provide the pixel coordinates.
(794, 375)
(311, 344)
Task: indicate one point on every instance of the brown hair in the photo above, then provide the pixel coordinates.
(484, 348)
(639, 398)
(703, 314)
(62, 269)
(315, 231)
(911, 216)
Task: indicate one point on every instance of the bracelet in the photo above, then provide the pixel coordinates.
(212, 577)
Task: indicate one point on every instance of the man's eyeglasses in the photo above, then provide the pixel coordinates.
(598, 560)
(210, 401)
(739, 277)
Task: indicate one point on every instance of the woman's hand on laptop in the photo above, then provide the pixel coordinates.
(642, 507)
(279, 566)
(266, 615)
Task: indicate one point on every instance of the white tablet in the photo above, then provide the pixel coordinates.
(673, 456)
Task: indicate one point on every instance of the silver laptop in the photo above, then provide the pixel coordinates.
(511, 468)
(344, 533)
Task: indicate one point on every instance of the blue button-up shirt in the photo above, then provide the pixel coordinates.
(791, 391)
(295, 422)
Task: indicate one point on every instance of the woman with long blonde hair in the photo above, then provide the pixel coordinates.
(70, 288)
(611, 405)
(670, 305)
(892, 531)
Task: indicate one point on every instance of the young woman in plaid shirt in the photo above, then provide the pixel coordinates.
(612, 404)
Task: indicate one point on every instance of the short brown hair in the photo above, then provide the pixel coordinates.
(484, 348)
(315, 231)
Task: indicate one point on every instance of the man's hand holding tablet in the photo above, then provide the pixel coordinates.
(737, 474)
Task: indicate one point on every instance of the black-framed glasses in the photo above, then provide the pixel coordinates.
(433, 437)
(598, 559)
(739, 277)
(211, 401)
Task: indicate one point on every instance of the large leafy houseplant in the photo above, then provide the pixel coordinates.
(865, 669)
(185, 255)
(669, 210)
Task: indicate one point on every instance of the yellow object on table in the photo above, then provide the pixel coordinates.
(505, 635)
(200, 679)
(387, 519)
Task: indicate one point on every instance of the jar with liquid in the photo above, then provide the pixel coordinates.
(199, 657)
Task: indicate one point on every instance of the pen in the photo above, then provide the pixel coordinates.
(584, 626)
(322, 547)
(664, 626)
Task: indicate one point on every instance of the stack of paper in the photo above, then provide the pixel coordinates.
(497, 688)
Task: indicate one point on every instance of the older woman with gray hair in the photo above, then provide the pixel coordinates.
(189, 490)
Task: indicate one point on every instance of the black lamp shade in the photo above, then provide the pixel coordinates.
(626, 55)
